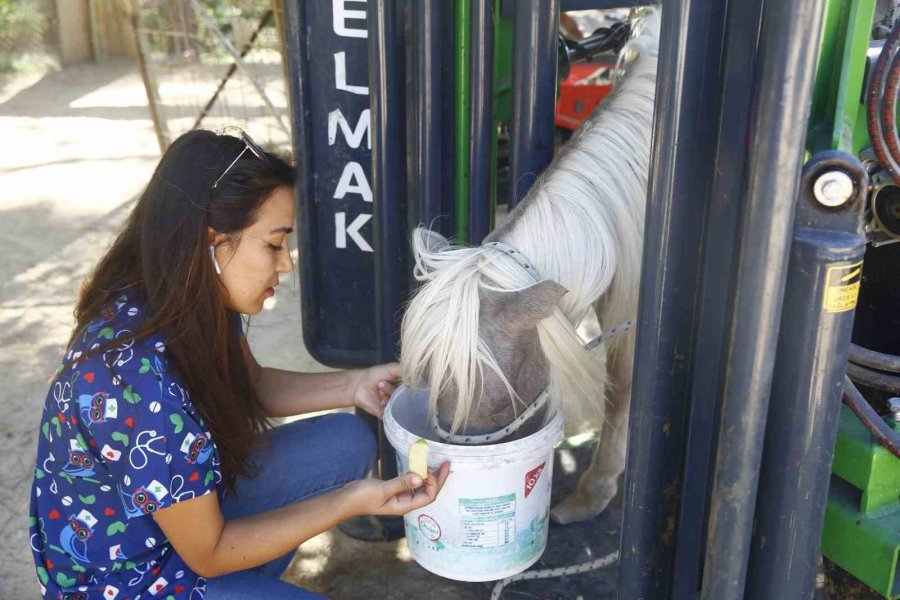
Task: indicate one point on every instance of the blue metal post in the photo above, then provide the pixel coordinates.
(481, 102)
(808, 382)
(534, 101)
(687, 99)
(387, 86)
(425, 184)
(737, 84)
(785, 68)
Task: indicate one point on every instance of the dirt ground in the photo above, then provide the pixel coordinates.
(78, 146)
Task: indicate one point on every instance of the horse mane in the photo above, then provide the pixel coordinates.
(589, 202)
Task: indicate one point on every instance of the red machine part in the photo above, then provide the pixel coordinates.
(581, 92)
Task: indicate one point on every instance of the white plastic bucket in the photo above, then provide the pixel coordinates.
(490, 519)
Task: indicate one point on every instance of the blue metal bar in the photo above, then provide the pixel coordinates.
(426, 190)
(738, 57)
(387, 89)
(807, 386)
(481, 119)
(785, 68)
(687, 99)
(448, 91)
(534, 100)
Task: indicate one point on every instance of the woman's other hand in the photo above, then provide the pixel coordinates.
(396, 496)
(372, 388)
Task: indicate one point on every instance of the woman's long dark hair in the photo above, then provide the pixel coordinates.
(163, 253)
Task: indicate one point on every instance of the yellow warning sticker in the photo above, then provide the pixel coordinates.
(842, 287)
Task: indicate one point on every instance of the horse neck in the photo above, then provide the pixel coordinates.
(581, 224)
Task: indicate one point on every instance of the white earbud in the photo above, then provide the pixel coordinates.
(212, 254)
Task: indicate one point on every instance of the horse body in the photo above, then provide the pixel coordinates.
(488, 336)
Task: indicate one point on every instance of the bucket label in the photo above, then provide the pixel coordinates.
(488, 522)
(531, 478)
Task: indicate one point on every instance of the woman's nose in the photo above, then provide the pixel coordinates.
(285, 264)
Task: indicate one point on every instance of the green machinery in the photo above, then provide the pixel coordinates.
(862, 522)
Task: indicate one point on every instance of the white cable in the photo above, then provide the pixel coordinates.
(607, 560)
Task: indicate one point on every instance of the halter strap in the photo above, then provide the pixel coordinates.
(516, 256)
(529, 412)
(620, 328)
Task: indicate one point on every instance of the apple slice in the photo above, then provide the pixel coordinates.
(418, 458)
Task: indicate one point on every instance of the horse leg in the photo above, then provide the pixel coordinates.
(599, 484)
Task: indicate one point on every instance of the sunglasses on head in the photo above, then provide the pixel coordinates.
(249, 144)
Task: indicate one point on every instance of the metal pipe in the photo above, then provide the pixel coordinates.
(785, 68)
(447, 225)
(425, 181)
(461, 118)
(806, 389)
(687, 99)
(738, 51)
(481, 119)
(534, 102)
(387, 89)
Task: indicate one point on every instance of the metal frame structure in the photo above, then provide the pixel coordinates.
(738, 253)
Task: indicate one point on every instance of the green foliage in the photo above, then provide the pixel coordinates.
(22, 27)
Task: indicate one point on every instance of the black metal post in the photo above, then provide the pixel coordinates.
(448, 125)
(481, 119)
(737, 68)
(425, 184)
(785, 68)
(387, 88)
(687, 96)
(534, 100)
(813, 345)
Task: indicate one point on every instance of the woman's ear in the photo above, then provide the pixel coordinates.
(215, 238)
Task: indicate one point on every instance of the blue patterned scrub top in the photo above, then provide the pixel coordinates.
(119, 440)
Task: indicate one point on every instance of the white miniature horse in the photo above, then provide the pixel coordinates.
(493, 327)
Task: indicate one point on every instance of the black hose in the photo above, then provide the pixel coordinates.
(874, 360)
(873, 379)
(886, 436)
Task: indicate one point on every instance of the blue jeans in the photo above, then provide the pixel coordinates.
(295, 461)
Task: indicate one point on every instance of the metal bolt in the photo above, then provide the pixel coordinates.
(833, 188)
(894, 405)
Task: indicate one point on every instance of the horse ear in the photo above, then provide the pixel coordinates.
(429, 241)
(522, 309)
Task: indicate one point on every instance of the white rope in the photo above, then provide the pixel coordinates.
(607, 560)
